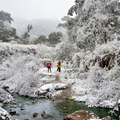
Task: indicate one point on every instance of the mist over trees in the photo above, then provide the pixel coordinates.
(29, 32)
(40, 26)
(89, 22)
(26, 36)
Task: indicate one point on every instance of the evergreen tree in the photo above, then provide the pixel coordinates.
(54, 37)
(40, 39)
(6, 31)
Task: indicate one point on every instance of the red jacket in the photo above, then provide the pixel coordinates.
(48, 64)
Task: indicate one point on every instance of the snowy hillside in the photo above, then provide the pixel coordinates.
(92, 79)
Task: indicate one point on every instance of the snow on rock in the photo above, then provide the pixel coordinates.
(82, 115)
(119, 101)
(4, 115)
(51, 89)
(61, 86)
(5, 97)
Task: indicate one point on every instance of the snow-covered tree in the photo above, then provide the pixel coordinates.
(40, 39)
(6, 31)
(4, 16)
(91, 22)
(26, 35)
(54, 37)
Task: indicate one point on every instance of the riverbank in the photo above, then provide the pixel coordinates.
(59, 109)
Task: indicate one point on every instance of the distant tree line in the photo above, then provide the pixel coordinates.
(53, 38)
(8, 33)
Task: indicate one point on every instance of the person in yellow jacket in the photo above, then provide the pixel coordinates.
(59, 66)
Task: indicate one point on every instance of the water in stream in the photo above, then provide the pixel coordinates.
(25, 107)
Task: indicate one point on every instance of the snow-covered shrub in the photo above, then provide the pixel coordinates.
(100, 85)
(5, 97)
(20, 70)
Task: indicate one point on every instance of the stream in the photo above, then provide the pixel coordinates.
(26, 106)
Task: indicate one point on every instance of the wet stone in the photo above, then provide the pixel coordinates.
(35, 114)
(44, 115)
(106, 118)
(81, 115)
(22, 109)
(12, 112)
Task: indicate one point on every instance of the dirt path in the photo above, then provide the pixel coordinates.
(66, 93)
(57, 78)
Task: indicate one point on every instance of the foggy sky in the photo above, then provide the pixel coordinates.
(34, 9)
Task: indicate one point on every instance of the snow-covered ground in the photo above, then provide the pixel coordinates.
(23, 70)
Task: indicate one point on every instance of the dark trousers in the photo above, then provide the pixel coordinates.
(49, 69)
(58, 69)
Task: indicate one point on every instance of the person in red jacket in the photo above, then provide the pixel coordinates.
(49, 66)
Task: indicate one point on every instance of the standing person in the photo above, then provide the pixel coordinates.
(49, 66)
(59, 66)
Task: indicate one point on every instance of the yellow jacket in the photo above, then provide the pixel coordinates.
(59, 65)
